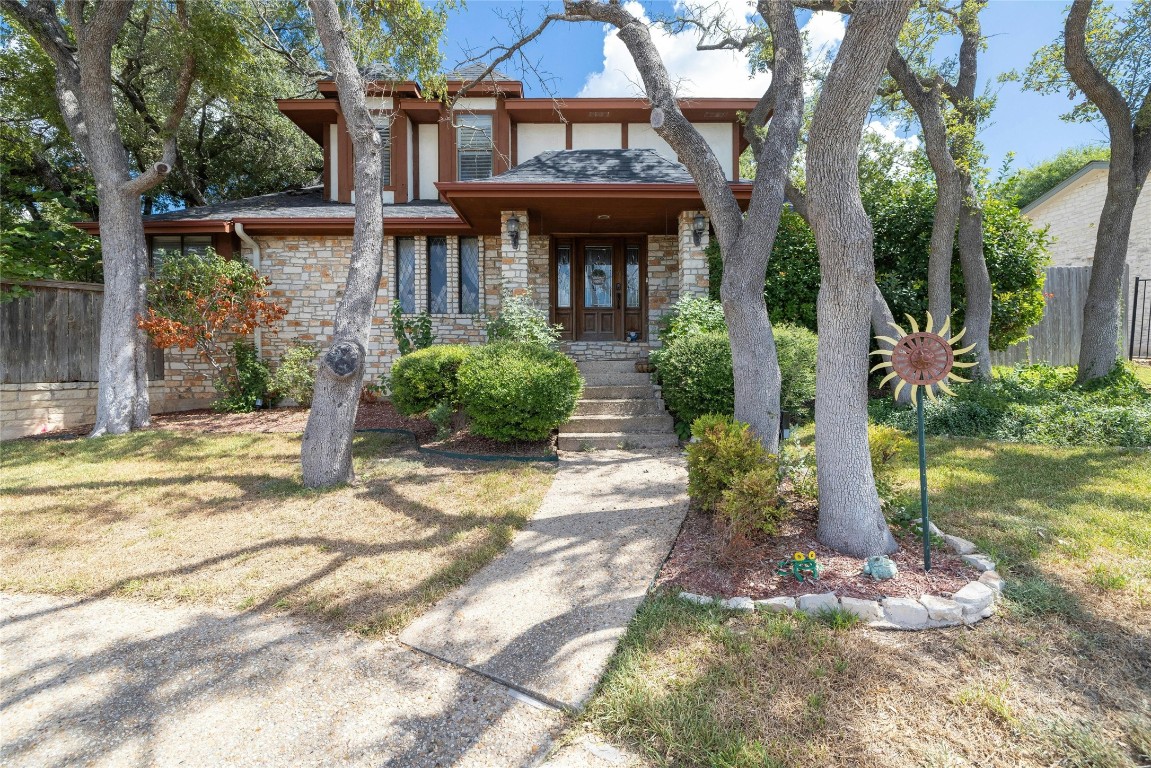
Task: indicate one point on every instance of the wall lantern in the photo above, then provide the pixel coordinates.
(697, 227)
(514, 230)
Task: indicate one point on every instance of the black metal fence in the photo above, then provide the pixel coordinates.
(1139, 343)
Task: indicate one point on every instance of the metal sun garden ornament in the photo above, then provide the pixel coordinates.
(924, 360)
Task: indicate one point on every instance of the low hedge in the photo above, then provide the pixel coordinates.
(518, 390)
(1037, 404)
(423, 379)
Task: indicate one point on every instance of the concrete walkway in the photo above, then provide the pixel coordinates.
(547, 614)
(117, 683)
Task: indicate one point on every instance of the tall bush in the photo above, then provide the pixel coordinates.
(696, 373)
(520, 320)
(245, 386)
(295, 376)
(423, 379)
(721, 452)
(518, 390)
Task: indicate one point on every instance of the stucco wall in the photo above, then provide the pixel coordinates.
(1072, 218)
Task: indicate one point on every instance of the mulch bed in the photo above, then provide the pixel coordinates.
(702, 563)
(380, 415)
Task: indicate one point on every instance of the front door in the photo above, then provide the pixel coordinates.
(598, 288)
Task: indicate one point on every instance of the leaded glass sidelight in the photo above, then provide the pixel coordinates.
(633, 276)
(406, 273)
(564, 276)
(437, 275)
(597, 277)
(469, 275)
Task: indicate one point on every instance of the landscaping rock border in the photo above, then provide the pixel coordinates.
(973, 602)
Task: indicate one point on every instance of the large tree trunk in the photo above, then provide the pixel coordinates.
(122, 402)
(1099, 346)
(976, 280)
(326, 453)
(1130, 135)
(850, 518)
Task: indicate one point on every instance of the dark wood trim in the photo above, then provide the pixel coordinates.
(514, 128)
(568, 136)
(400, 158)
(447, 157)
(344, 144)
(415, 191)
(501, 139)
(623, 135)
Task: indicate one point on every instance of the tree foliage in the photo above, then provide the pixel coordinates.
(200, 301)
(1026, 185)
(1120, 46)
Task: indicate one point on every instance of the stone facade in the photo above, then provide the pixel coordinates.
(663, 280)
(1072, 218)
(693, 275)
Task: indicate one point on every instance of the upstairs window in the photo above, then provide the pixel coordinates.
(384, 129)
(474, 147)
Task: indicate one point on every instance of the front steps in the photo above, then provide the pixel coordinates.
(619, 410)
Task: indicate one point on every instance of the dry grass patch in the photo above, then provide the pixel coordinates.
(1061, 677)
(222, 520)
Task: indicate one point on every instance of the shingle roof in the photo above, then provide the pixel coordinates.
(596, 166)
(472, 71)
(303, 203)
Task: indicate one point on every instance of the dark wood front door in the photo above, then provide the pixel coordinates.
(599, 290)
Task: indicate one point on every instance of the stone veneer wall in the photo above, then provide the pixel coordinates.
(663, 280)
(308, 274)
(693, 273)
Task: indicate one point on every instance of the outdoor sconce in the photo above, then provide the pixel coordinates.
(514, 230)
(697, 226)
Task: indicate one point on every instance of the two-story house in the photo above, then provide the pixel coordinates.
(576, 203)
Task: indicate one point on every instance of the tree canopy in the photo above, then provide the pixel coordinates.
(1027, 185)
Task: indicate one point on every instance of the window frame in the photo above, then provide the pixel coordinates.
(458, 151)
(387, 120)
(399, 285)
(433, 308)
(460, 270)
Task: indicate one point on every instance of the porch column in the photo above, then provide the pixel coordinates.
(693, 279)
(514, 260)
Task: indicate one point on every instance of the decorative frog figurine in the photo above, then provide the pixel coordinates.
(880, 567)
(799, 566)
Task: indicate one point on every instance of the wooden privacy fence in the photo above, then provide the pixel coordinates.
(52, 335)
(1055, 340)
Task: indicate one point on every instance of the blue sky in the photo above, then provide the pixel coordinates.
(584, 60)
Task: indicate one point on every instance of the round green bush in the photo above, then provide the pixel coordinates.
(518, 391)
(697, 377)
(422, 379)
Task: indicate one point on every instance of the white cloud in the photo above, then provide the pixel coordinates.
(824, 32)
(697, 73)
(887, 132)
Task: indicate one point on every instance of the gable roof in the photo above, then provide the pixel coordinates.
(595, 166)
(472, 71)
(1093, 165)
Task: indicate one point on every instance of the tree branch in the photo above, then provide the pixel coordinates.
(1095, 86)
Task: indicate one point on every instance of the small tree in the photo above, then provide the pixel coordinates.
(199, 301)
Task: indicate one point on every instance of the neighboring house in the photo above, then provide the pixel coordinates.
(576, 203)
(1071, 210)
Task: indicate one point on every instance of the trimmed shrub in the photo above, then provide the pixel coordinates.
(518, 391)
(696, 373)
(691, 315)
(752, 504)
(295, 376)
(723, 450)
(420, 380)
(519, 319)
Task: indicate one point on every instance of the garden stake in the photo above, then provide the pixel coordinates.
(922, 359)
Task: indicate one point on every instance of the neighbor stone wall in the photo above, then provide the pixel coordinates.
(1072, 218)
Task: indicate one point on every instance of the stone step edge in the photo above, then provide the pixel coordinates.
(971, 603)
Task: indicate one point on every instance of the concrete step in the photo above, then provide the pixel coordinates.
(610, 379)
(609, 441)
(596, 392)
(646, 424)
(606, 366)
(634, 407)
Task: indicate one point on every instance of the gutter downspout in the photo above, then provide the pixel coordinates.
(256, 255)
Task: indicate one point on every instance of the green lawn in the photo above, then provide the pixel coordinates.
(223, 520)
(1061, 677)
